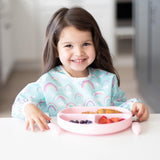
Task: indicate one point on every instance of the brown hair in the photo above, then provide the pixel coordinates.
(82, 20)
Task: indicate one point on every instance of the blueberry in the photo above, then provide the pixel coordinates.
(76, 121)
(82, 122)
(86, 121)
(72, 121)
(89, 122)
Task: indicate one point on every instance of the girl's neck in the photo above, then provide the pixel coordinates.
(78, 74)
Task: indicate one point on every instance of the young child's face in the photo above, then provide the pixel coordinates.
(76, 51)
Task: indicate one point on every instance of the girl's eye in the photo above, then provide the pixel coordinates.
(86, 44)
(68, 45)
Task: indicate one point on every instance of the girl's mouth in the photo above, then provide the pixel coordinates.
(78, 60)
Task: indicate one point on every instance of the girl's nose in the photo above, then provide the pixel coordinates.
(79, 51)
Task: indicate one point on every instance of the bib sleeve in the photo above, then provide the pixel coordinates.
(119, 98)
(32, 93)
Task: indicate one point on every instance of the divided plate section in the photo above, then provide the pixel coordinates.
(79, 117)
(110, 116)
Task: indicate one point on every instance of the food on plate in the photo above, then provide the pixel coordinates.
(81, 121)
(105, 120)
(102, 111)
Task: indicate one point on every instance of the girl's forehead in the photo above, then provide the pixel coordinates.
(71, 33)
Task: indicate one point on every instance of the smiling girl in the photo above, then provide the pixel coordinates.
(77, 71)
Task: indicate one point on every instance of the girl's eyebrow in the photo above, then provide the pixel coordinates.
(66, 42)
(90, 40)
(74, 42)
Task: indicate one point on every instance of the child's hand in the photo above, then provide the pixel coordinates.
(141, 111)
(33, 115)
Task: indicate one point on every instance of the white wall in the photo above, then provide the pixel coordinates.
(24, 30)
(6, 57)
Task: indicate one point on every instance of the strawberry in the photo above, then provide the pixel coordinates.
(122, 119)
(115, 119)
(103, 120)
(109, 121)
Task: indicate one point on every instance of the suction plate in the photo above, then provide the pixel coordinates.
(94, 128)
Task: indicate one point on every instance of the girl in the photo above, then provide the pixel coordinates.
(77, 71)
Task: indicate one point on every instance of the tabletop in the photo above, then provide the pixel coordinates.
(17, 143)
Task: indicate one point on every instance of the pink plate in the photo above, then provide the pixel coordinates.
(75, 113)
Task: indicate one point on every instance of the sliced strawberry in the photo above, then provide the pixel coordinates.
(115, 119)
(103, 120)
(122, 119)
(109, 121)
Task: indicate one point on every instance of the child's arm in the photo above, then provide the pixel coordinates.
(32, 93)
(30, 105)
(134, 105)
(141, 111)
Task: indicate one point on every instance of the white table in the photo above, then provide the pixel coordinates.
(19, 144)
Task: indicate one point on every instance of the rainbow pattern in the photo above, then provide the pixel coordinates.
(94, 76)
(52, 106)
(50, 85)
(107, 99)
(98, 93)
(55, 79)
(68, 87)
(70, 105)
(90, 102)
(60, 97)
(78, 95)
(88, 83)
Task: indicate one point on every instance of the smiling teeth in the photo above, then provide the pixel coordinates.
(78, 60)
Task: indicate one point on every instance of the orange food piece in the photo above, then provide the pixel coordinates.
(102, 111)
(109, 121)
(115, 119)
(102, 120)
(107, 111)
(105, 120)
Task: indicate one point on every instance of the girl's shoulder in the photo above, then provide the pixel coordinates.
(100, 72)
(103, 76)
(54, 72)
